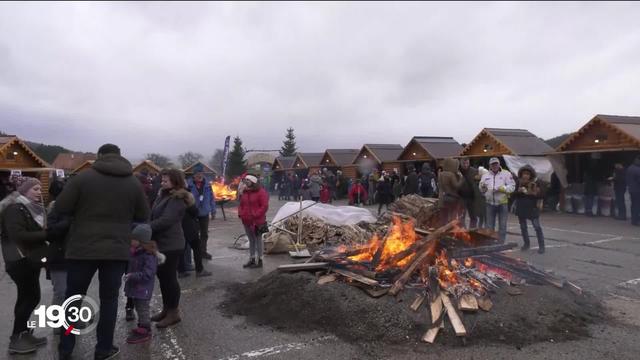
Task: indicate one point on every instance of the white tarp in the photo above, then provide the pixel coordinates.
(334, 215)
(540, 164)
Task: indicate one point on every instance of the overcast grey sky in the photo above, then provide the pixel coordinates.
(174, 77)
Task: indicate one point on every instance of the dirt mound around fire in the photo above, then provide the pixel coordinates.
(294, 303)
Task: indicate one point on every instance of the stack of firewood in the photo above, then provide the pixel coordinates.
(423, 210)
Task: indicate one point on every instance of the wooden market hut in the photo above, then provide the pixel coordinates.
(84, 166)
(306, 163)
(379, 157)
(492, 142)
(431, 149)
(199, 166)
(598, 145)
(15, 155)
(148, 167)
(71, 161)
(281, 166)
(341, 159)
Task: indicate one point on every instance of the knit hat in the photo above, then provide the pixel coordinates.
(252, 178)
(25, 183)
(142, 233)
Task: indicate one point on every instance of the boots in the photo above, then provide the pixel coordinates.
(251, 263)
(258, 265)
(525, 247)
(22, 344)
(203, 273)
(159, 316)
(139, 335)
(172, 318)
(205, 254)
(38, 341)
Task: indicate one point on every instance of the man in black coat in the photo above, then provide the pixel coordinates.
(620, 188)
(411, 183)
(104, 202)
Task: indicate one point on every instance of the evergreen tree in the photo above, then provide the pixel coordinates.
(237, 163)
(289, 144)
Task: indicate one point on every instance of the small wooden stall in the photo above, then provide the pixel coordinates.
(147, 167)
(428, 149)
(341, 159)
(378, 157)
(71, 161)
(491, 142)
(590, 155)
(199, 166)
(281, 166)
(307, 163)
(84, 166)
(15, 155)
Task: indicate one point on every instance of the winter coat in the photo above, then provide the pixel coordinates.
(190, 225)
(633, 178)
(253, 207)
(166, 219)
(619, 181)
(325, 194)
(527, 200)
(104, 201)
(314, 185)
(449, 182)
(411, 184)
(57, 229)
(498, 187)
(141, 274)
(204, 197)
(305, 193)
(357, 194)
(383, 192)
(426, 180)
(20, 234)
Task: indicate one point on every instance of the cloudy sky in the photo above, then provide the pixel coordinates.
(174, 77)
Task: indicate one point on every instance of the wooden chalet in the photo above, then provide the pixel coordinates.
(492, 142)
(84, 166)
(598, 145)
(306, 163)
(379, 157)
(430, 149)
(281, 166)
(341, 159)
(71, 161)
(147, 167)
(15, 155)
(199, 166)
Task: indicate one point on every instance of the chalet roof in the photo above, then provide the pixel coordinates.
(343, 157)
(149, 163)
(206, 169)
(70, 161)
(7, 141)
(628, 125)
(310, 159)
(286, 162)
(385, 152)
(517, 141)
(439, 147)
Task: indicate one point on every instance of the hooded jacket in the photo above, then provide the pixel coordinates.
(498, 187)
(527, 198)
(141, 274)
(20, 233)
(104, 201)
(166, 218)
(449, 181)
(253, 207)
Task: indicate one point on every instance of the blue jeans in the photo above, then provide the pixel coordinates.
(525, 231)
(500, 211)
(79, 276)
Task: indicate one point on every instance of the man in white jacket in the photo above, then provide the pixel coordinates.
(497, 185)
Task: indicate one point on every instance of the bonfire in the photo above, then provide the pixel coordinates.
(223, 192)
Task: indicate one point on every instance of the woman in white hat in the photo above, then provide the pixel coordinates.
(254, 204)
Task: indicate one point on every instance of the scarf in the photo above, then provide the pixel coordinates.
(35, 209)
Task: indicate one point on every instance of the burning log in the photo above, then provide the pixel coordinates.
(426, 252)
(481, 250)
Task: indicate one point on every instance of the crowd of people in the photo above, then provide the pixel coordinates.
(127, 228)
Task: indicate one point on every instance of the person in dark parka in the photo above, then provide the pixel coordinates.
(104, 202)
(526, 196)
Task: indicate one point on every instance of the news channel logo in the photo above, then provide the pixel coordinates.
(78, 315)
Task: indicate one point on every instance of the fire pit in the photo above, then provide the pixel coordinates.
(223, 194)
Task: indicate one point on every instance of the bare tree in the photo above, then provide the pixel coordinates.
(189, 158)
(159, 159)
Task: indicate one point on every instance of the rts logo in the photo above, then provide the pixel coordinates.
(78, 315)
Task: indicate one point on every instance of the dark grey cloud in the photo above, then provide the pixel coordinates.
(171, 77)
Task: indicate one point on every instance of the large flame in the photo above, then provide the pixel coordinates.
(462, 234)
(224, 192)
(400, 237)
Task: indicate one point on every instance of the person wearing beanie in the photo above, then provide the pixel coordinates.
(140, 279)
(254, 204)
(23, 239)
(104, 202)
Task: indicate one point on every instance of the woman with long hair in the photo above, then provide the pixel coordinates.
(23, 219)
(166, 223)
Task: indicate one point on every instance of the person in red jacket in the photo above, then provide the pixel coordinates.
(325, 193)
(254, 204)
(358, 194)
